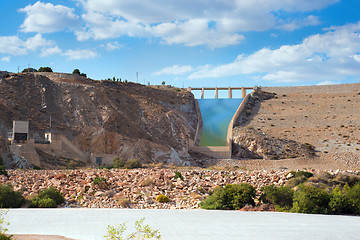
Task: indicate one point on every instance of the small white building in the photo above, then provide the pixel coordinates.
(20, 131)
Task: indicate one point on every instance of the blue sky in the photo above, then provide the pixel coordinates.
(187, 43)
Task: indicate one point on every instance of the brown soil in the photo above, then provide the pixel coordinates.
(38, 237)
(325, 117)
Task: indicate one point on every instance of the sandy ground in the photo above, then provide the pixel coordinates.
(327, 117)
(38, 237)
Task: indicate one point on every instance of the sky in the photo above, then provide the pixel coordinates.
(201, 43)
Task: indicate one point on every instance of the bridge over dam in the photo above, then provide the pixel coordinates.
(217, 117)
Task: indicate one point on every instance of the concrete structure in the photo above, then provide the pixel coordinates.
(102, 159)
(229, 89)
(217, 151)
(20, 131)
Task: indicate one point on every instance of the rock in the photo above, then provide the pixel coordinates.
(98, 193)
(60, 176)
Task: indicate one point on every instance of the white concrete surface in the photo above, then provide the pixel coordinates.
(91, 224)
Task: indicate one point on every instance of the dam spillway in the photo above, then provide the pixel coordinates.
(216, 115)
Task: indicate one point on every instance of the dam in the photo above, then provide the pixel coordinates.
(217, 117)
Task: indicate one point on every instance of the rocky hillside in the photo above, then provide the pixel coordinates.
(310, 126)
(128, 119)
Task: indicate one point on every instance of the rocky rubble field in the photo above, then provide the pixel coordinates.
(136, 188)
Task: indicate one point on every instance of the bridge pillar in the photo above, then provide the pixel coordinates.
(243, 92)
(216, 93)
(230, 93)
(202, 92)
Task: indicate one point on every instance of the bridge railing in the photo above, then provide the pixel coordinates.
(229, 89)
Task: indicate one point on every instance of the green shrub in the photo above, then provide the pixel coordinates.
(230, 197)
(4, 237)
(118, 162)
(301, 173)
(45, 69)
(178, 175)
(52, 193)
(353, 195)
(162, 198)
(133, 163)
(29, 70)
(3, 228)
(141, 232)
(9, 198)
(343, 179)
(281, 197)
(310, 199)
(42, 203)
(3, 171)
(339, 202)
(47, 198)
(100, 182)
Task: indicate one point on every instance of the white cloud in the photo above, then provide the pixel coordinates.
(292, 25)
(331, 55)
(13, 45)
(174, 70)
(327, 83)
(6, 59)
(48, 18)
(356, 58)
(45, 52)
(79, 54)
(33, 43)
(111, 46)
(214, 23)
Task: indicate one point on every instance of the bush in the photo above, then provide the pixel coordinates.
(343, 179)
(178, 175)
(230, 197)
(118, 162)
(310, 199)
(76, 71)
(45, 69)
(3, 171)
(42, 203)
(9, 198)
(293, 182)
(4, 237)
(339, 203)
(124, 202)
(301, 173)
(133, 163)
(52, 193)
(281, 197)
(100, 182)
(353, 195)
(47, 198)
(29, 70)
(141, 232)
(162, 198)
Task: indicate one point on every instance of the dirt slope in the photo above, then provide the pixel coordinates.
(128, 119)
(325, 117)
